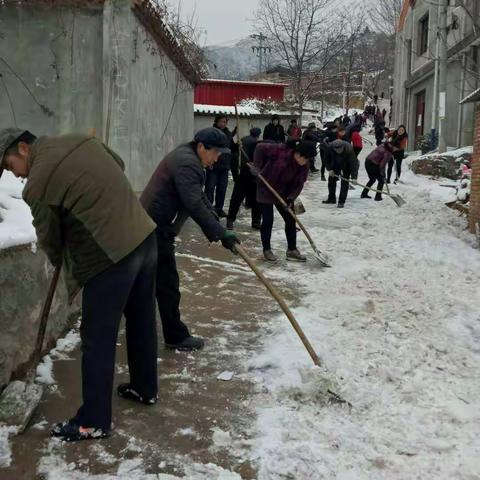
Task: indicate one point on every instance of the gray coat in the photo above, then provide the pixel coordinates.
(175, 192)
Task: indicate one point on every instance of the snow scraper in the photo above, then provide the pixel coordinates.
(399, 201)
(20, 398)
(325, 384)
(318, 254)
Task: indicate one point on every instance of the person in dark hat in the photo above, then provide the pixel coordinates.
(285, 167)
(341, 161)
(274, 131)
(173, 194)
(245, 185)
(89, 221)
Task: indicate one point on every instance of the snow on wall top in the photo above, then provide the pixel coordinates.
(15, 218)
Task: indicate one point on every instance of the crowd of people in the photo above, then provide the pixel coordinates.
(120, 250)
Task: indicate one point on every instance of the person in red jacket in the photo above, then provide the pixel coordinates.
(357, 141)
(375, 164)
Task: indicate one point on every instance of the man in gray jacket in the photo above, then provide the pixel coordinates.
(174, 193)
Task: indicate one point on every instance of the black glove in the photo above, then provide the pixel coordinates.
(229, 240)
(290, 204)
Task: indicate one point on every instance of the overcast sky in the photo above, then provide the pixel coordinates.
(224, 20)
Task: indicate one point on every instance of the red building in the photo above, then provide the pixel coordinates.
(229, 92)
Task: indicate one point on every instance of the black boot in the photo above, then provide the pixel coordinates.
(329, 200)
(125, 390)
(365, 194)
(187, 345)
(378, 197)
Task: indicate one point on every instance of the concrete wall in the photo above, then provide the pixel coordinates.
(60, 64)
(24, 281)
(414, 73)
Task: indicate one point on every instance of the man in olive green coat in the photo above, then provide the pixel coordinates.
(89, 220)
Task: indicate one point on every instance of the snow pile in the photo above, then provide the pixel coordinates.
(5, 450)
(44, 373)
(15, 217)
(399, 329)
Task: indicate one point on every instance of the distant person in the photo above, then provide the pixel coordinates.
(245, 186)
(399, 139)
(375, 99)
(341, 161)
(311, 134)
(216, 180)
(375, 164)
(294, 132)
(274, 131)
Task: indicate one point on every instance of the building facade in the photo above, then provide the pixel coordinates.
(415, 103)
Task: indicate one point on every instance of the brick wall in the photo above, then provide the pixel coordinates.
(474, 216)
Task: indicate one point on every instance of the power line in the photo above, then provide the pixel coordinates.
(261, 50)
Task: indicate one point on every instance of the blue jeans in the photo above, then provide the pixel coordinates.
(216, 183)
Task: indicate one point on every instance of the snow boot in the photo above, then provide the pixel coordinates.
(269, 256)
(230, 224)
(188, 344)
(71, 431)
(125, 390)
(295, 256)
(365, 194)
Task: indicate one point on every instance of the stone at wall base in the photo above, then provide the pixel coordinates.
(18, 402)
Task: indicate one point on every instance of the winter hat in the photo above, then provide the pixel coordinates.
(213, 138)
(255, 132)
(8, 136)
(312, 125)
(306, 149)
(338, 146)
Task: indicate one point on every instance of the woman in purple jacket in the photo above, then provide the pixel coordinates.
(285, 167)
(375, 165)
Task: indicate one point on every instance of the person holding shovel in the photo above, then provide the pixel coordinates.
(173, 194)
(285, 167)
(88, 218)
(341, 161)
(375, 164)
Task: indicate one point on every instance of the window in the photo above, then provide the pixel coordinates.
(423, 35)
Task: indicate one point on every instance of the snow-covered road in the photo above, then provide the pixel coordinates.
(397, 321)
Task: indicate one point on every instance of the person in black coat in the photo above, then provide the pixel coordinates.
(274, 131)
(173, 194)
(245, 184)
(312, 134)
(341, 160)
(216, 181)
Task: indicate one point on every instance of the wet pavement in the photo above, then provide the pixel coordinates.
(198, 419)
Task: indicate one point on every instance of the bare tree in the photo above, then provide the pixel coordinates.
(305, 35)
(385, 14)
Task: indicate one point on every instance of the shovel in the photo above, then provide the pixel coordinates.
(399, 201)
(20, 398)
(293, 321)
(318, 255)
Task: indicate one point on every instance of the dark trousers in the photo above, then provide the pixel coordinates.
(267, 225)
(312, 164)
(216, 183)
(398, 156)
(389, 169)
(168, 291)
(374, 175)
(128, 287)
(357, 151)
(332, 186)
(245, 187)
(323, 158)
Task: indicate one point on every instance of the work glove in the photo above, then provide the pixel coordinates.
(229, 240)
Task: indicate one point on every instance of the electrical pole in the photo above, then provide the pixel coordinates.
(260, 49)
(433, 132)
(442, 75)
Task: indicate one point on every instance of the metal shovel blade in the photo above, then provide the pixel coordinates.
(321, 258)
(398, 200)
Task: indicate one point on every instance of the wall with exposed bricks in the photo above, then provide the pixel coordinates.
(474, 215)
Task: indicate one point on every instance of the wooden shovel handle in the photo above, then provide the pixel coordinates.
(276, 295)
